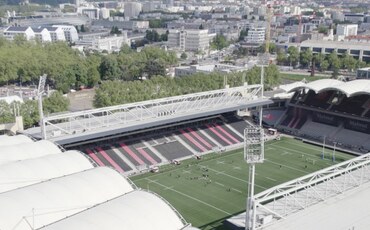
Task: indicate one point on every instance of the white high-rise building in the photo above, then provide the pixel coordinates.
(132, 9)
(189, 40)
(256, 34)
(347, 30)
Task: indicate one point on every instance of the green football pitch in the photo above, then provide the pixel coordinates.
(208, 191)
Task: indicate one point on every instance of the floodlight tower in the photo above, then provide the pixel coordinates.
(254, 152)
(40, 91)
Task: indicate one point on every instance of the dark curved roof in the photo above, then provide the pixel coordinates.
(350, 88)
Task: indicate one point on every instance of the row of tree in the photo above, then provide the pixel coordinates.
(22, 62)
(130, 65)
(154, 36)
(120, 92)
(29, 109)
(306, 59)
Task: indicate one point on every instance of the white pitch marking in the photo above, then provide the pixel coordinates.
(270, 178)
(193, 198)
(220, 184)
(236, 178)
(168, 188)
(236, 190)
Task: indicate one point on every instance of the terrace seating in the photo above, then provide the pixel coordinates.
(130, 152)
(317, 130)
(352, 105)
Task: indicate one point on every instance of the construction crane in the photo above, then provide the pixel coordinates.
(268, 28)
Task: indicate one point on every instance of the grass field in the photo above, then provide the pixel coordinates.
(300, 77)
(209, 190)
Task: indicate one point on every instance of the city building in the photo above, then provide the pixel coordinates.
(91, 13)
(354, 18)
(189, 40)
(104, 13)
(359, 50)
(256, 34)
(42, 34)
(132, 9)
(70, 32)
(56, 33)
(347, 30)
(13, 31)
(222, 68)
(148, 6)
(107, 43)
(363, 73)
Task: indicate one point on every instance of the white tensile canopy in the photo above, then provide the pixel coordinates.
(31, 171)
(137, 210)
(37, 205)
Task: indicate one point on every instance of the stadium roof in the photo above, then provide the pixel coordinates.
(25, 151)
(14, 140)
(350, 88)
(348, 211)
(22, 173)
(139, 210)
(40, 204)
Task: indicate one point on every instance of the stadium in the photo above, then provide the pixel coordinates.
(179, 162)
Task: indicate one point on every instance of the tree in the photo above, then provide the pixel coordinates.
(219, 42)
(83, 29)
(306, 57)
(55, 103)
(155, 68)
(281, 57)
(324, 65)
(6, 115)
(243, 34)
(335, 63)
(109, 68)
(157, 23)
(323, 29)
(115, 30)
(184, 56)
(349, 62)
(293, 55)
(30, 113)
(272, 48)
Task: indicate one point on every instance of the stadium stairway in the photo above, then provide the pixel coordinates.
(209, 137)
(92, 155)
(185, 144)
(158, 154)
(215, 134)
(203, 140)
(109, 159)
(234, 138)
(130, 165)
(191, 141)
(127, 151)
